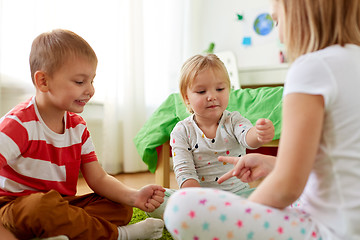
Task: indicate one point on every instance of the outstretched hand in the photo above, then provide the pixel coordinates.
(265, 130)
(247, 168)
(149, 197)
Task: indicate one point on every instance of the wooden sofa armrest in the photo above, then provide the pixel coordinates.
(273, 143)
(162, 172)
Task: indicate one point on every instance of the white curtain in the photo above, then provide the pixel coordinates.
(152, 54)
(124, 105)
(140, 44)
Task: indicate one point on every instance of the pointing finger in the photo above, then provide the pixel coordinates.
(231, 160)
(225, 177)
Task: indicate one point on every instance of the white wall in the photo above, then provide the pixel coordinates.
(12, 93)
(218, 23)
(209, 20)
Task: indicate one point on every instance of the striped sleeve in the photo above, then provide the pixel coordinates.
(13, 138)
(87, 149)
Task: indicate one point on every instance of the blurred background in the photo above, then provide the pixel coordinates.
(141, 45)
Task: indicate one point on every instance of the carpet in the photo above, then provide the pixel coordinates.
(138, 215)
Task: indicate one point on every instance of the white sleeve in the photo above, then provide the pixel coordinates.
(241, 126)
(184, 166)
(310, 74)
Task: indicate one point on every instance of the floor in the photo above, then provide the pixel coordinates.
(135, 180)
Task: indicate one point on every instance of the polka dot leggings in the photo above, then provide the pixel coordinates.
(211, 214)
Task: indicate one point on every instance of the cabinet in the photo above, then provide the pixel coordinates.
(263, 76)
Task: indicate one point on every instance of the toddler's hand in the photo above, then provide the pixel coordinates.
(265, 130)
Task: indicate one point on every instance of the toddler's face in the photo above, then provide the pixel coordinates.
(208, 96)
(71, 87)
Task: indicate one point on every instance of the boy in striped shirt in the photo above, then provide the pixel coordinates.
(43, 146)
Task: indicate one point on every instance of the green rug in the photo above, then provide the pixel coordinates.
(139, 215)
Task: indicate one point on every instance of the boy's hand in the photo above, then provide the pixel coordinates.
(149, 198)
(265, 130)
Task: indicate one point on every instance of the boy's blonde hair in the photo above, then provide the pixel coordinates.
(311, 25)
(50, 50)
(196, 64)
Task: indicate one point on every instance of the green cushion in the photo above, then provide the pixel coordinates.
(264, 102)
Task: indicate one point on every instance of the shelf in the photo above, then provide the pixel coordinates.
(260, 76)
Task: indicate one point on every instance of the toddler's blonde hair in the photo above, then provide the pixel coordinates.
(196, 64)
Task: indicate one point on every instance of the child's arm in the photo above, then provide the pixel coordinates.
(287, 173)
(183, 160)
(303, 116)
(147, 198)
(263, 132)
(190, 183)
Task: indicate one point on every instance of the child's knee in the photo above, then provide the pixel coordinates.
(128, 214)
(122, 214)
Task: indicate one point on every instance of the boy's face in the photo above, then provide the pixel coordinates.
(71, 87)
(208, 96)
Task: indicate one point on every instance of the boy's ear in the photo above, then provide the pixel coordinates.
(41, 81)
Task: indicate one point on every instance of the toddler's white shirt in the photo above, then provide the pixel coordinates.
(195, 155)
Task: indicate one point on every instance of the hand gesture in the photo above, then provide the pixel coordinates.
(248, 168)
(149, 197)
(265, 130)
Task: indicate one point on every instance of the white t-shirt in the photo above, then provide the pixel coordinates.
(332, 193)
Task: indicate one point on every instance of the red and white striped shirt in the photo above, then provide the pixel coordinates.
(33, 158)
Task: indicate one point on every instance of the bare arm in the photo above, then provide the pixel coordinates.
(263, 132)
(147, 198)
(289, 171)
(190, 183)
(302, 113)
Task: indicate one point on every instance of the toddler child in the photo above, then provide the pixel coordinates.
(211, 131)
